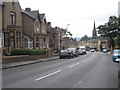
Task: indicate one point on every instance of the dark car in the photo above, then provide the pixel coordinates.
(65, 53)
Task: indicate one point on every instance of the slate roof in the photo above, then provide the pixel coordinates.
(23, 11)
(34, 13)
(42, 17)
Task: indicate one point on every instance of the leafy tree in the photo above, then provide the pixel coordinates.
(118, 41)
(85, 37)
(66, 33)
(110, 30)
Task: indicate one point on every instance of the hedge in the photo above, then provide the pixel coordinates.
(29, 51)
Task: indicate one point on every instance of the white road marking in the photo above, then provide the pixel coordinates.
(77, 84)
(74, 65)
(48, 75)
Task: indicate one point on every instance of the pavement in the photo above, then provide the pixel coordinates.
(17, 64)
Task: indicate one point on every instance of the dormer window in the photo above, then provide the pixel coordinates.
(13, 17)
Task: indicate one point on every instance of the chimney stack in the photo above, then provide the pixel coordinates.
(27, 9)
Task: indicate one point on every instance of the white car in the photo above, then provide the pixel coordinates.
(83, 48)
(104, 50)
(92, 50)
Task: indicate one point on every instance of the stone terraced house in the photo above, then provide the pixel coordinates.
(11, 25)
(26, 29)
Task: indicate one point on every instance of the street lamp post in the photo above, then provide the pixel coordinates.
(67, 26)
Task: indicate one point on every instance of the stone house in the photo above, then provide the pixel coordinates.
(28, 30)
(36, 31)
(44, 30)
(11, 25)
(1, 27)
(56, 38)
(1, 34)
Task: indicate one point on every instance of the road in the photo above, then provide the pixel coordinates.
(93, 70)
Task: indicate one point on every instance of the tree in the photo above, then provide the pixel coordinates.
(85, 37)
(69, 33)
(110, 30)
(66, 33)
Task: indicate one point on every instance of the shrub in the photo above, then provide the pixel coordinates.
(29, 51)
(39, 51)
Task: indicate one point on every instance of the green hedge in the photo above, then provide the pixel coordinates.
(29, 51)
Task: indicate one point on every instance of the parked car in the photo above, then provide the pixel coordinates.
(74, 51)
(92, 50)
(65, 53)
(80, 52)
(83, 48)
(104, 50)
(116, 58)
(116, 55)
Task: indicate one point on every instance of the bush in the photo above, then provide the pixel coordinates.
(39, 51)
(29, 51)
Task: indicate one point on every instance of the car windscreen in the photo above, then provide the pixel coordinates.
(82, 48)
(116, 51)
(64, 51)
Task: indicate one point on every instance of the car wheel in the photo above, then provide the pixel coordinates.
(60, 57)
(69, 56)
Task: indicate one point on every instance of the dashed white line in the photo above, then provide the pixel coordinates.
(74, 65)
(77, 84)
(48, 75)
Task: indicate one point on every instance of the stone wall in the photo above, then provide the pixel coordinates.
(12, 59)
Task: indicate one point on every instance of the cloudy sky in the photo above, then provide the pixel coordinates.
(80, 14)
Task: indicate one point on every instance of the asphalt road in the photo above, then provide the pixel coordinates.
(93, 70)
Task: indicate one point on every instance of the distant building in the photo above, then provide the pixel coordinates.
(68, 42)
(94, 33)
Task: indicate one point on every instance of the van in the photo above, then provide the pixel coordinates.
(74, 51)
(83, 48)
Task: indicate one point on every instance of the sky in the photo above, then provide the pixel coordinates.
(79, 14)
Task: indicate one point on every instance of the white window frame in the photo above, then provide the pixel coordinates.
(1, 40)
